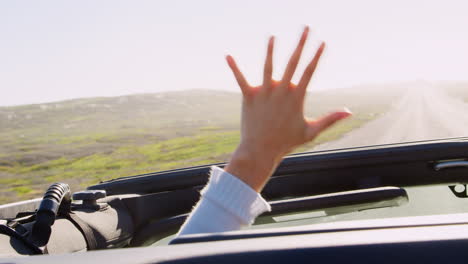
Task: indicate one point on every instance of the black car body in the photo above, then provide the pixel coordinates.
(390, 203)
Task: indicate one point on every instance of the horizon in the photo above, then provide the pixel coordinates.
(362, 86)
(54, 51)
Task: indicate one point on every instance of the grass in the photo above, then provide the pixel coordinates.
(168, 154)
(208, 146)
(204, 148)
(22, 190)
(141, 134)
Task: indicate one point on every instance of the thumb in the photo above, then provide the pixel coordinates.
(315, 127)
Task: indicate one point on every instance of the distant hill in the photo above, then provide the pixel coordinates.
(76, 116)
(83, 141)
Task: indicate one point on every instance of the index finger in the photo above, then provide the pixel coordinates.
(243, 84)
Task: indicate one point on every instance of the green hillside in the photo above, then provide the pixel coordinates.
(84, 141)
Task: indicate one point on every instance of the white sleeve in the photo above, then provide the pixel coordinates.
(226, 204)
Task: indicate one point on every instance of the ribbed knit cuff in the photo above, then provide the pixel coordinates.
(235, 196)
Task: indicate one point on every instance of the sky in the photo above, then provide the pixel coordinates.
(56, 50)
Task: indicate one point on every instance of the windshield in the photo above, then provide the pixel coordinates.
(94, 91)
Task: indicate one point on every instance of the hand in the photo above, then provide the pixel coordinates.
(273, 121)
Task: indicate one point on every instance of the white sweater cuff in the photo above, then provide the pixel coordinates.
(235, 196)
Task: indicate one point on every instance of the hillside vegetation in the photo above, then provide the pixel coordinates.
(84, 141)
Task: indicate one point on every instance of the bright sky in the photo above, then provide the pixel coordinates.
(54, 50)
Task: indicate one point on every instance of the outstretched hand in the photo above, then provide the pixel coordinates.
(273, 121)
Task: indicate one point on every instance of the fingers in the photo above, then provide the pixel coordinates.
(310, 69)
(293, 61)
(243, 84)
(268, 70)
(317, 126)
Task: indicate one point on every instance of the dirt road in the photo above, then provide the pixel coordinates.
(422, 113)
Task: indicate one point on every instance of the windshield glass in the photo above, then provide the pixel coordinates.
(422, 201)
(93, 91)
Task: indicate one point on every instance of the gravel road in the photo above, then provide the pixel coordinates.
(422, 113)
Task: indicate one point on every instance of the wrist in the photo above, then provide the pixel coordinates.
(253, 167)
